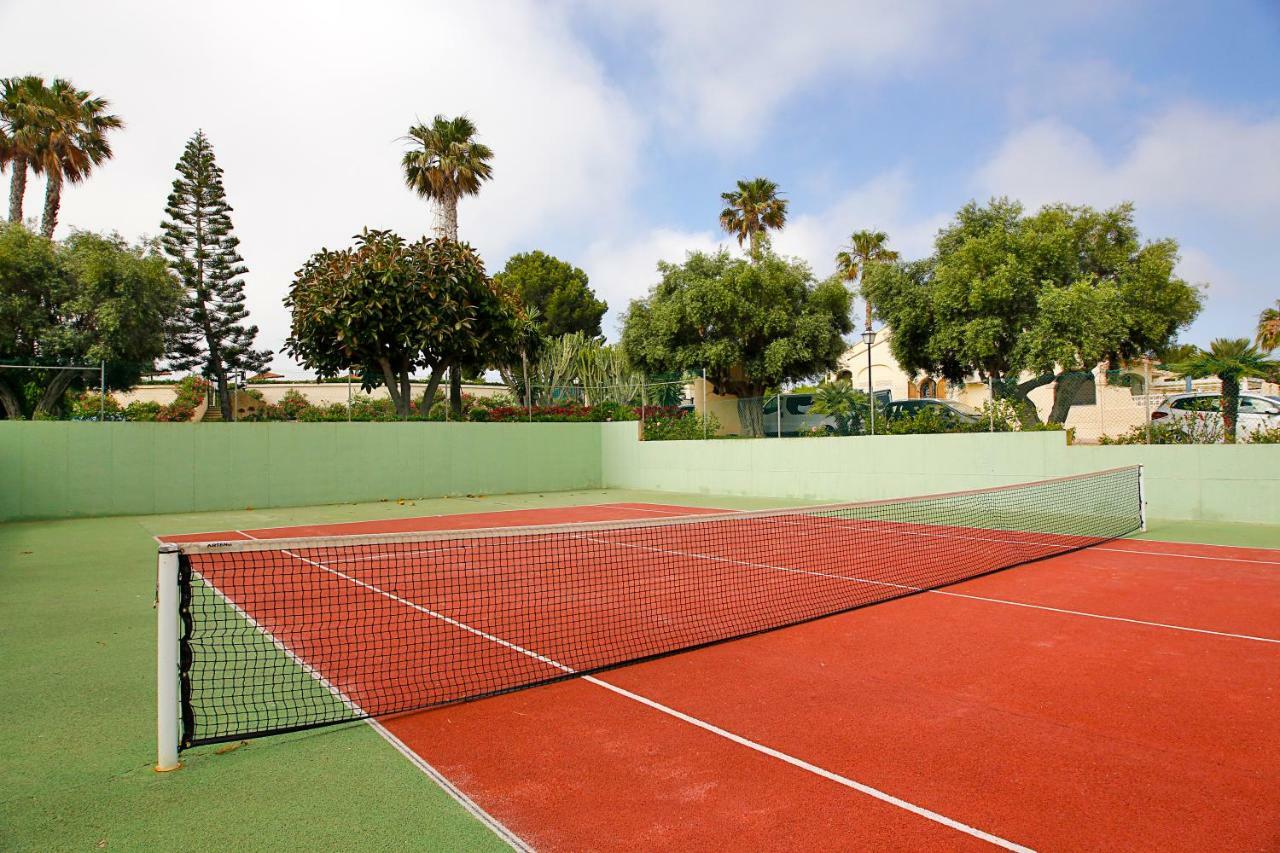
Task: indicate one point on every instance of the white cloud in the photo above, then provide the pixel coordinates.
(623, 269)
(305, 103)
(883, 204)
(723, 68)
(1189, 157)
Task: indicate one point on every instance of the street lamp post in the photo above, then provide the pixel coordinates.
(869, 338)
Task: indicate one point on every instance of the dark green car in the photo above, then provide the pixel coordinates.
(961, 412)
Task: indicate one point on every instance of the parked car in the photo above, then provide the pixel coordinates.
(961, 412)
(1257, 411)
(795, 417)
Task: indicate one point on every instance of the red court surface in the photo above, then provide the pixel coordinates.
(1126, 696)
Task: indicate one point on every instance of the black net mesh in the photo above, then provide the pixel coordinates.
(289, 634)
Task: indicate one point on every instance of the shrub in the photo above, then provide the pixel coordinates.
(1264, 436)
(930, 419)
(293, 404)
(1174, 431)
(142, 410)
(191, 392)
(88, 406)
(671, 424)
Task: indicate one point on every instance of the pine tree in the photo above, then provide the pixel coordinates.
(210, 334)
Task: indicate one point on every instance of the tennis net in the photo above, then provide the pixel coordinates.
(281, 635)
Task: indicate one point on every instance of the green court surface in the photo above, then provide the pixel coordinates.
(78, 630)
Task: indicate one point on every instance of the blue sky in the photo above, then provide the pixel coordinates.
(616, 126)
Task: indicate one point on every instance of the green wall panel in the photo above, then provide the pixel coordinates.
(61, 469)
(1211, 483)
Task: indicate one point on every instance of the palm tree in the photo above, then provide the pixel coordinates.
(1230, 359)
(751, 210)
(74, 142)
(24, 105)
(865, 247)
(1269, 328)
(445, 163)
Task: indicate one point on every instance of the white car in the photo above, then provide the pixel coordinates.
(1257, 411)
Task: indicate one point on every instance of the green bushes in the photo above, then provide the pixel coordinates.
(662, 423)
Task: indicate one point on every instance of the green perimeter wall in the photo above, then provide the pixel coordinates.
(55, 469)
(1202, 482)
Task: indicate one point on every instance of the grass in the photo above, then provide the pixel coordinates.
(78, 631)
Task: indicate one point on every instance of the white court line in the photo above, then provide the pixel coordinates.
(418, 761)
(738, 739)
(909, 588)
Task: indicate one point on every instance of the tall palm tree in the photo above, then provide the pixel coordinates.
(75, 141)
(865, 247)
(444, 163)
(1230, 359)
(752, 210)
(24, 108)
(1269, 328)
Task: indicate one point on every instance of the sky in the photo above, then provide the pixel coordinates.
(616, 125)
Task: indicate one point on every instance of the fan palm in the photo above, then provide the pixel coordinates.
(1269, 328)
(444, 163)
(1230, 359)
(74, 142)
(865, 247)
(24, 105)
(752, 210)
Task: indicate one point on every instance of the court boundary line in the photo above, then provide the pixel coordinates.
(799, 763)
(469, 805)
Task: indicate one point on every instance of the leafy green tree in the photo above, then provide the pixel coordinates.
(751, 210)
(557, 289)
(751, 325)
(210, 333)
(1268, 335)
(865, 248)
(1027, 300)
(387, 308)
(74, 142)
(1229, 359)
(444, 163)
(89, 299)
(23, 116)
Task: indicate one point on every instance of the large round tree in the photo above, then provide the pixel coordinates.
(751, 325)
(386, 308)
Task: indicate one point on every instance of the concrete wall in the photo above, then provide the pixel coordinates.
(1211, 482)
(64, 469)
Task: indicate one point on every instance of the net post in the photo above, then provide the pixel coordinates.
(1142, 498)
(167, 658)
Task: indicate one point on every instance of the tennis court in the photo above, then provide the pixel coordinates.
(1026, 679)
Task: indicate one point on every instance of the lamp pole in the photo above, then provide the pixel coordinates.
(869, 338)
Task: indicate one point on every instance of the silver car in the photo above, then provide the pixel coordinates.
(1257, 411)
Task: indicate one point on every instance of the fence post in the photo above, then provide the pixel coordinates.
(704, 404)
(102, 389)
(644, 402)
(167, 658)
(1146, 395)
(991, 401)
(779, 413)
